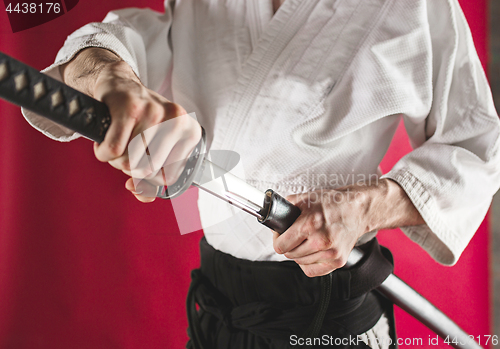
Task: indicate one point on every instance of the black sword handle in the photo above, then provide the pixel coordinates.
(278, 213)
(27, 87)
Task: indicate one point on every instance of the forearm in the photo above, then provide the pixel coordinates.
(388, 206)
(83, 70)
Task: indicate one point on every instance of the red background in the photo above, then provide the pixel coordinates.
(40, 13)
(84, 265)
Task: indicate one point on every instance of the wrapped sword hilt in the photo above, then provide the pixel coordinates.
(27, 87)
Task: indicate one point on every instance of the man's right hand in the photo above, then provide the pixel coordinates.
(134, 109)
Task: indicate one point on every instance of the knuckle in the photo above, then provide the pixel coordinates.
(115, 149)
(322, 243)
(137, 110)
(302, 232)
(334, 253)
(184, 125)
(309, 226)
(132, 107)
(154, 112)
(309, 271)
(277, 248)
(331, 254)
(341, 260)
(180, 110)
(194, 135)
(317, 219)
(173, 110)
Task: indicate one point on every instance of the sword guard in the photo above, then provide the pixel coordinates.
(193, 166)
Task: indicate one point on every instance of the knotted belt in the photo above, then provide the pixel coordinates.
(275, 299)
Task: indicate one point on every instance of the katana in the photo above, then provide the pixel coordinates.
(27, 87)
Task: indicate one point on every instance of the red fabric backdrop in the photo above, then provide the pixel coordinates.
(84, 265)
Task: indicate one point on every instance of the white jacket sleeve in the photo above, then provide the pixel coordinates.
(454, 169)
(138, 36)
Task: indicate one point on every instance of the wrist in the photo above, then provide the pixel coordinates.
(377, 201)
(388, 206)
(84, 69)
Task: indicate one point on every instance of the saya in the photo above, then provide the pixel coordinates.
(27, 87)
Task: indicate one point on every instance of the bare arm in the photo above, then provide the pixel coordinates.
(389, 207)
(82, 71)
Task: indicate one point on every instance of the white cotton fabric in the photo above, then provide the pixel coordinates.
(316, 91)
(378, 336)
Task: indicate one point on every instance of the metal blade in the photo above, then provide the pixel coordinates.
(226, 186)
(405, 297)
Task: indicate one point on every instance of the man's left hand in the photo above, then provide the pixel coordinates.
(331, 222)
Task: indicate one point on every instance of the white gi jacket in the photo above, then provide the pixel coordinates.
(318, 90)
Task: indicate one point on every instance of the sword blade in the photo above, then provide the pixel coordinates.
(226, 186)
(405, 297)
